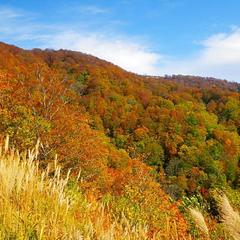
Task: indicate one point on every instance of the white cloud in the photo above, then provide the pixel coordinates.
(219, 57)
(222, 48)
(127, 54)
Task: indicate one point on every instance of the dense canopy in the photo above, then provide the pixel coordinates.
(122, 130)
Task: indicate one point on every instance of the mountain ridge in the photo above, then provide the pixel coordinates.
(93, 59)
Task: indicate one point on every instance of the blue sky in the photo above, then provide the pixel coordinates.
(148, 37)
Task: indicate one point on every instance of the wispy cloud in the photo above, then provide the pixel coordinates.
(127, 52)
(92, 9)
(16, 24)
(8, 13)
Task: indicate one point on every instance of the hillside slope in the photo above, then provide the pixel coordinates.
(175, 124)
(130, 136)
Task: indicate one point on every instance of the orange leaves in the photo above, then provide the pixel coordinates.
(5, 84)
(141, 133)
(230, 141)
(172, 143)
(185, 127)
(2, 75)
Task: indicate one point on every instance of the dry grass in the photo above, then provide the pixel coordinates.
(230, 217)
(34, 205)
(199, 221)
(30, 202)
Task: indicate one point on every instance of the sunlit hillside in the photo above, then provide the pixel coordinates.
(91, 151)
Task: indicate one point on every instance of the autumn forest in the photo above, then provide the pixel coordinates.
(92, 151)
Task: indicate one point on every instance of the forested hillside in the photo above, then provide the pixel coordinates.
(149, 148)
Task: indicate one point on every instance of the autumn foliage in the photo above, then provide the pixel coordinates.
(133, 139)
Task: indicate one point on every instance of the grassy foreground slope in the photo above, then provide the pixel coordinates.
(38, 203)
(41, 204)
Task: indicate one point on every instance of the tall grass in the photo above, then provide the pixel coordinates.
(229, 228)
(38, 204)
(199, 221)
(32, 205)
(230, 217)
